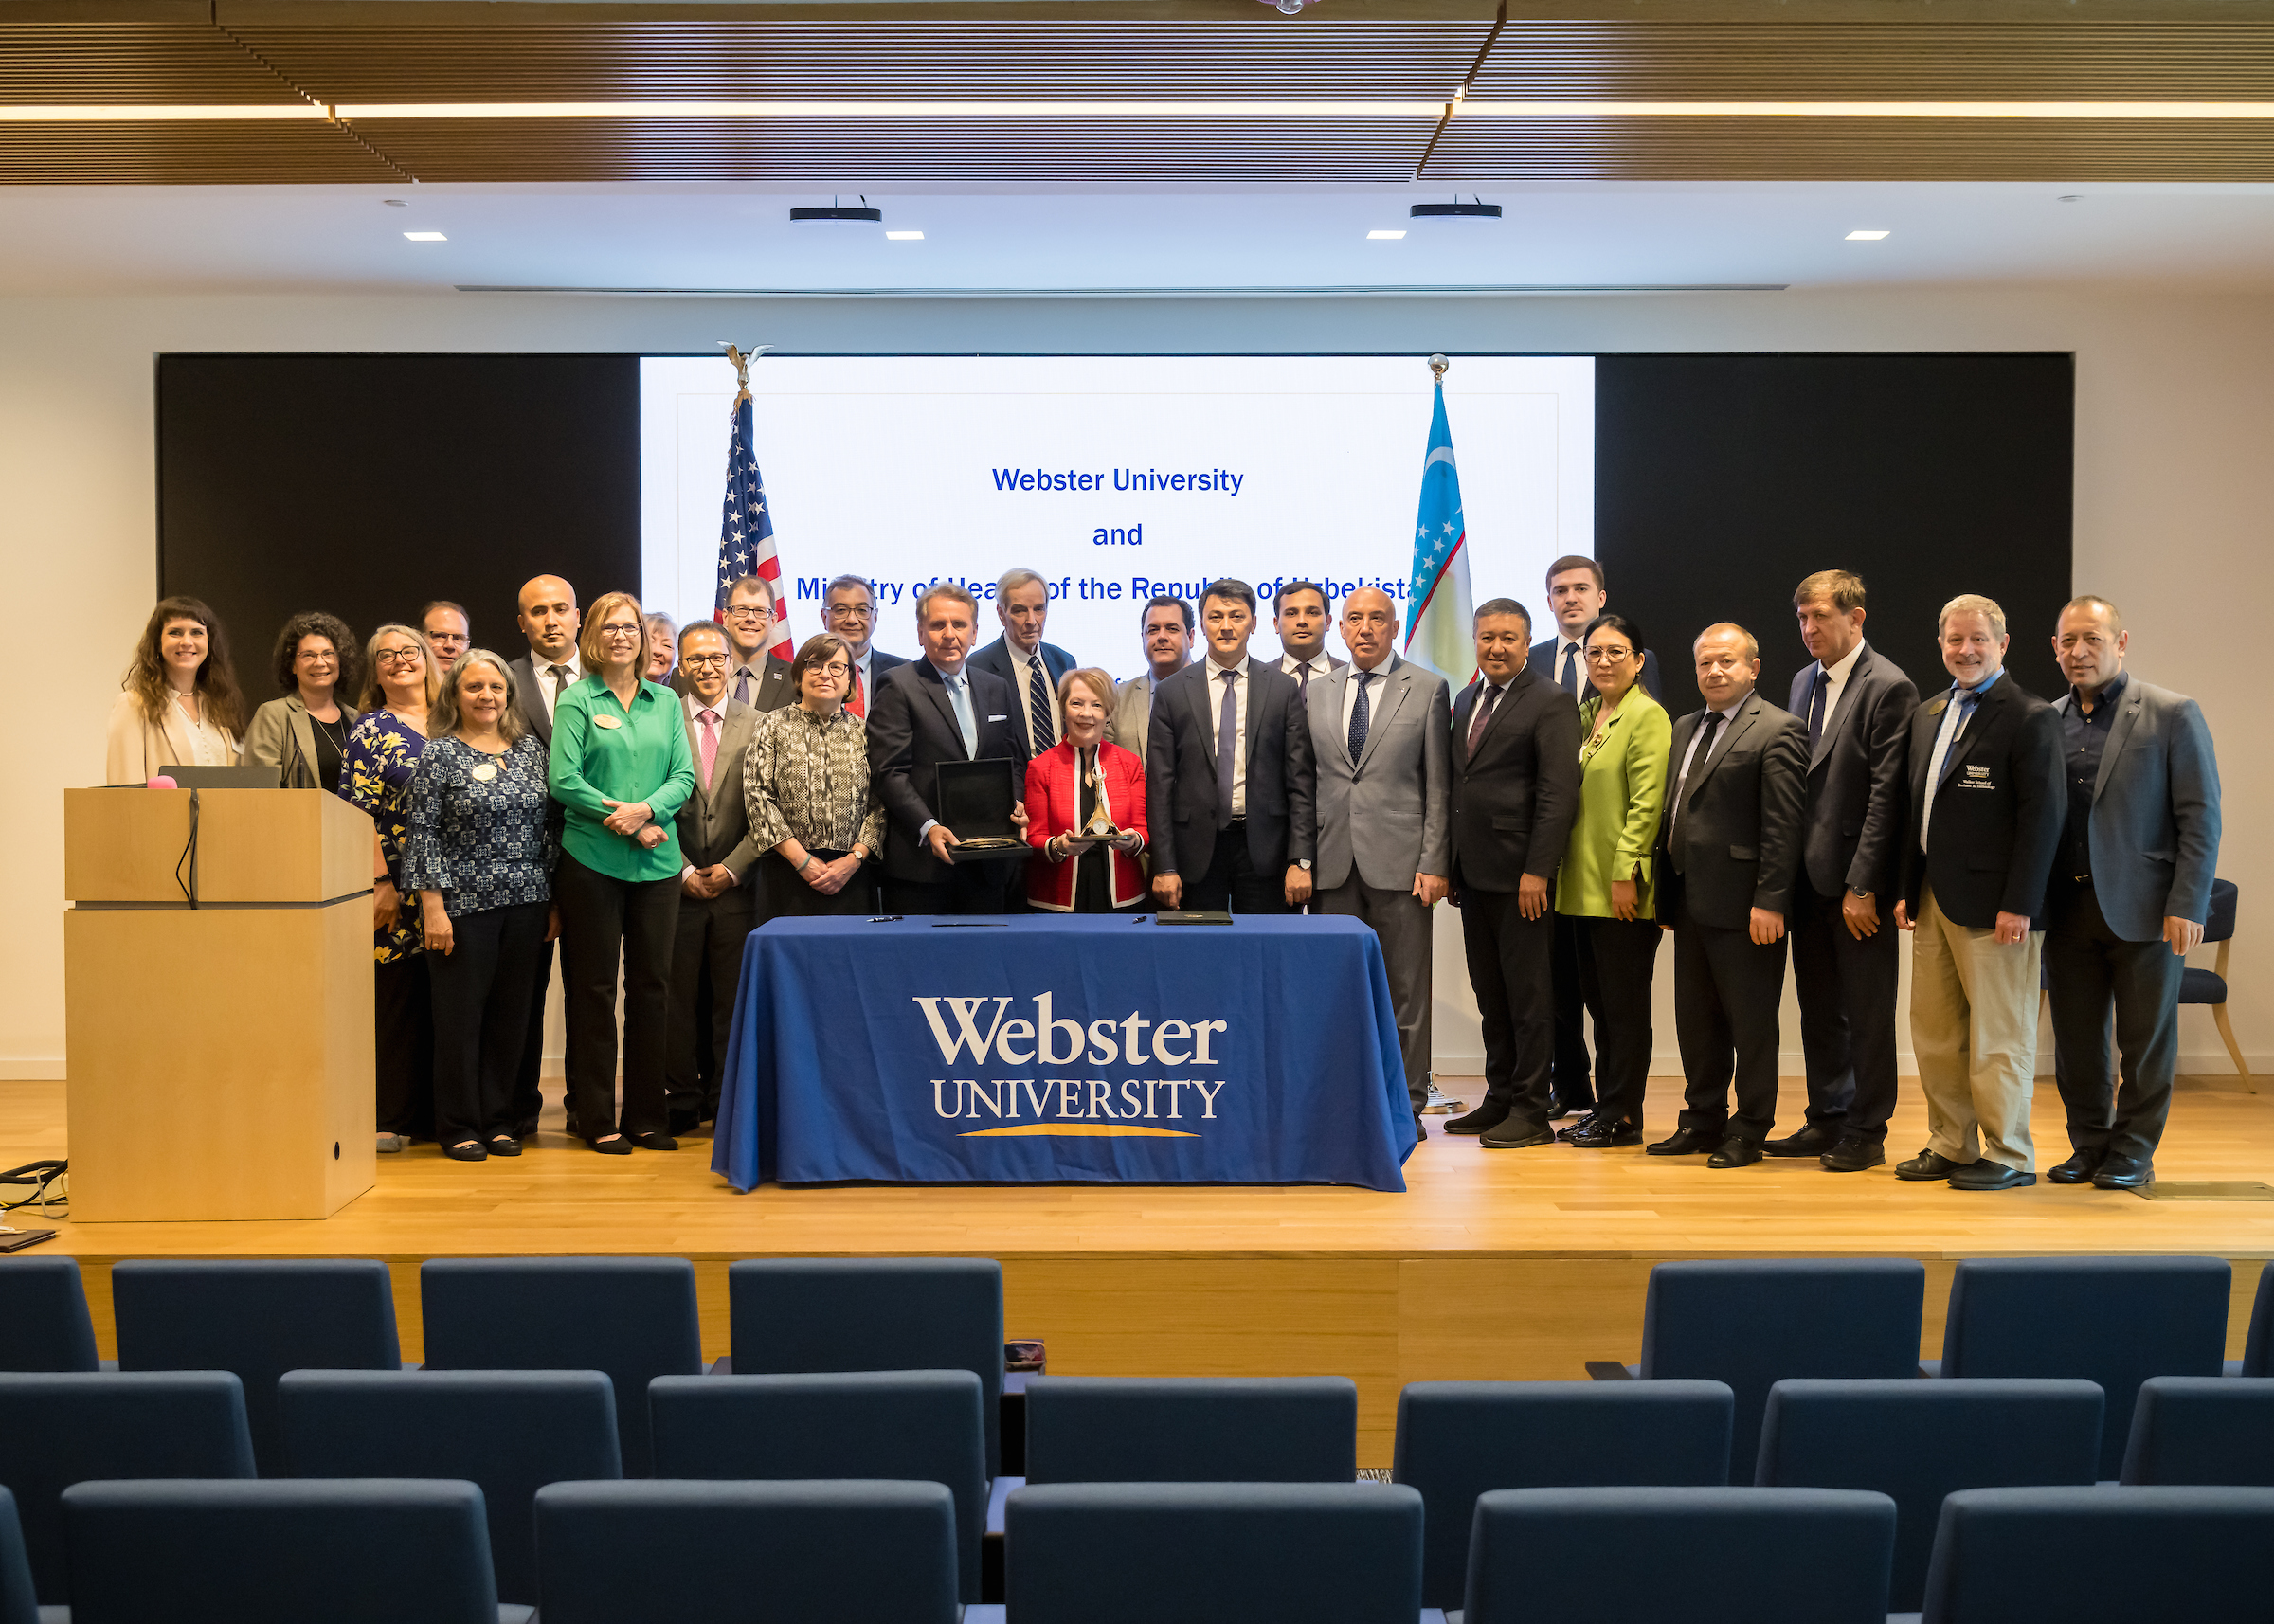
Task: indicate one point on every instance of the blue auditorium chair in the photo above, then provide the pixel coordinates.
(1457, 1439)
(1917, 1441)
(2198, 1430)
(920, 1426)
(677, 1552)
(1700, 1556)
(18, 1605)
(1756, 1322)
(1139, 1553)
(364, 1551)
(1196, 1429)
(59, 1430)
(2116, 1320)
(2103, 1555)
(813, 1315)
(259, 1319)
(2258, 1351)
(512, 1431)
(44, 1323)
(632, 1317)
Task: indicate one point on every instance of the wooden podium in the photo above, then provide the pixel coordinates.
(220, 1056)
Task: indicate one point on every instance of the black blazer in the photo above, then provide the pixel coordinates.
(1859, 783)
(1514, 799)
(912, 730)
(532, 704)
(1998, 815)
(996, 659)
(1741, 832)
(1179, 768)
(1542, 664)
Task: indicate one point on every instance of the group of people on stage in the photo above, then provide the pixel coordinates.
(646, 795)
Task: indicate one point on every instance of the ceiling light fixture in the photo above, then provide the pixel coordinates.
(904, 236)
(425, 237)
(839, 214)
(1383, 235)
(1473, 210)
(1865, 236)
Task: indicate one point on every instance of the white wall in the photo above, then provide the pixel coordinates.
(2174, 486)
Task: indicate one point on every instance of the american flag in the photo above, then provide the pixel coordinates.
(746, 531)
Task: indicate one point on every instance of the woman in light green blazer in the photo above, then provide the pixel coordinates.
(1605, 883)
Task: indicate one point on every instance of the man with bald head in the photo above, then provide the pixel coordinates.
(549, 620)
(1379, 829)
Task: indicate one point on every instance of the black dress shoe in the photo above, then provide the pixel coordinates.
(1810, 1141)
(1582, 1126)
(2124, 1173)
(1852, 1154)
(1925, 1165)
(2078, 1169)
(1735, 1151)
(1989, 1174)
(1515, 1133)
(653, 1141)
(505, 1144)
(1485, 1116)
(1686, 1141)
(1603, 1133)
(470, 1151)
(616, 1147)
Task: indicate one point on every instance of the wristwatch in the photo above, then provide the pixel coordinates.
(1303, 863)
(1859, 891)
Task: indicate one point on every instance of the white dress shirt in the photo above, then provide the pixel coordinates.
(1239, 717)
(1566, 646)
(1022, 667)
(1319, 664)
(572, 665)
(1373, 691)
(1835, 684)
(1946, 736)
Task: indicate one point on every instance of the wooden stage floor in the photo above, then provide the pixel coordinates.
(1493, 1264)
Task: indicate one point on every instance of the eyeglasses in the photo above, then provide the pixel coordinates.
(702, 661)
(854, 611)
(836, 668)
(746, 612)
(396, 655)
(1608, 655)
(621, 629)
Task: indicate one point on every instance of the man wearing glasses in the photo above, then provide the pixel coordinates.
(850, 609)
(755, 678)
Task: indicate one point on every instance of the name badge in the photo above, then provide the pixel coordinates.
(607, 721)
(486, 772)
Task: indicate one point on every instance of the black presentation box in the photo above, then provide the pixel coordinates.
(976, 798)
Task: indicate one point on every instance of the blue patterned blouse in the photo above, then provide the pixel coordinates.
(375, 775)
(484, 831)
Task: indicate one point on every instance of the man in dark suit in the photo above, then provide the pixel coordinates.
(1299, 616)
(1729, 848)
(1574, 597)
(2130, 893)
(930, 711)
(1855, 706)
(718, 885)
(849, 611)
(757, 677)
(1515, 791)
(1227, 762)
(1987, 806)
(549, 621)
(1029, 666)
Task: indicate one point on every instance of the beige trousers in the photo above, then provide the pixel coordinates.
(1974, 1029)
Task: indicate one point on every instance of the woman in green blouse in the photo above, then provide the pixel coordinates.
(620, 770)
(1605, 882)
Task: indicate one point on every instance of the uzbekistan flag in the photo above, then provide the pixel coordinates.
(1438, 633)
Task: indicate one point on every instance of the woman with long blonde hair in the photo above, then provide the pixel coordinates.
(181, 706)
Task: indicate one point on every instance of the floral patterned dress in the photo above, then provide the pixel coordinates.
(383, 751)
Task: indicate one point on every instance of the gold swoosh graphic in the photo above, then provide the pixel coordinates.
(1075, 1130)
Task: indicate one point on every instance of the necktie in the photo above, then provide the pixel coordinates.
(959, 692)
(1357, 717)
(709, 732)
(560, 680)
(1816, 699)
(742, 686)
(1966, 700)
(1227, 747)
(1303, 680)
(857, 704)
(1698, 758)
(1570, 679)
(1037, 698)
(1483, 715)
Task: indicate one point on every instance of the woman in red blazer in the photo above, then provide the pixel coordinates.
(1067, 787)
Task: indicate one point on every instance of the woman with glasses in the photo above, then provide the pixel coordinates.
(1079, 785)
(382, 752)
(1605, 882)
(805, 781)
(304, 736)
(180, 707)
(620, 770)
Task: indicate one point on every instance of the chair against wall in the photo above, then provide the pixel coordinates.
(1918, 1441)
(2116, 1320)
(510, 1432)
(259, 1319)
(1262, 1429)
(2202, 1429)
(632, 1317)
(673, 1552)
(18, 1605)
(1459, 1439)
(2102, 1556)
(1756, 1322)
(1701, 1555)
(2208, 987)
(920, 1426)
(43, 1321)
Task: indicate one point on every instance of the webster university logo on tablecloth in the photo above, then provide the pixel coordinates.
(982, 1032)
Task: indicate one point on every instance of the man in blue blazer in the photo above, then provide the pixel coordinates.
(2130, 892)
(1021, 659)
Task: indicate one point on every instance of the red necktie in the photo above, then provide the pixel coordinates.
(855, 704)
(710, 737)
(1483, 715)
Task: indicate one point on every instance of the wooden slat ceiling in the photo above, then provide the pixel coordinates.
(279, 53)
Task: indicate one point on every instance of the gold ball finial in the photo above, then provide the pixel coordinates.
(1437, 365)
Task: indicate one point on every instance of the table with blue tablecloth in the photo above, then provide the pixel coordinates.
(1083, 1049)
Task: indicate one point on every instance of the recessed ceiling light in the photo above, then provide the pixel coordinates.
(904, 236)
(1383, 235)
(1865, 236)
(425, 237)
(2072, 197)
(394, 202)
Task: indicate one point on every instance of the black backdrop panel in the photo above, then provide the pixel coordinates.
(1721, 480)
(367, 485)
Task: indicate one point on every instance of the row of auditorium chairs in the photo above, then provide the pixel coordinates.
(514, 1432)
(385, 1551)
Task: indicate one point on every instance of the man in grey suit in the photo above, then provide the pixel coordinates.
(1729, 847)
(1167, 629)
(549, 620)
(2130, 892)
(1381, 831)
(718, 898)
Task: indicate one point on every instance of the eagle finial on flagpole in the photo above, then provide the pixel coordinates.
(742, 359)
